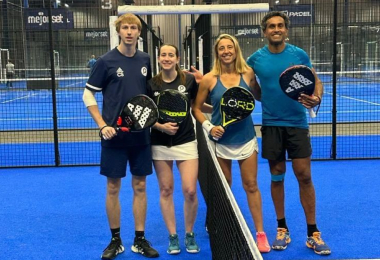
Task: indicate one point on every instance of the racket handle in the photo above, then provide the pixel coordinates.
(123, 129)
(312, 114)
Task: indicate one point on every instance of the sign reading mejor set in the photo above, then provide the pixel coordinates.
(298, 14)
(38, 19)
(252, 31)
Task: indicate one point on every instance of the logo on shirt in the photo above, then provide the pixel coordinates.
(144, 71)
(181, 88)
(120, 72)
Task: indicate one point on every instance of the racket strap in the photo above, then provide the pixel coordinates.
(207, 125)
(100, 131)
(319, 105)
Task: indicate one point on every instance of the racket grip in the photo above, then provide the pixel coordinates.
(123, 129)
(312, 114)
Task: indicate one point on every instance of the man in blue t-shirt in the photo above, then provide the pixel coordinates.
(121, 74)
(91, 62)
(285, 127)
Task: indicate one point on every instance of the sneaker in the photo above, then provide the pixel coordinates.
(191, 244)
(173, 248)
(262, 242)
(282, 239)
(315, 242)
(143, 246)
(113, 249)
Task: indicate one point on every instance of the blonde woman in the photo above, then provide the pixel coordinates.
(238, 141)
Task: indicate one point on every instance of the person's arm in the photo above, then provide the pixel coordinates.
(203, 91)
(89, 100)
(254, 85)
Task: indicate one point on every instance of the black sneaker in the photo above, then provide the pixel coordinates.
(143, 246)
(113, 249)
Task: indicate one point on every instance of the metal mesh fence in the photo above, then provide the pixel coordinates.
(42, 127)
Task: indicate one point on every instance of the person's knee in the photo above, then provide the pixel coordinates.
(250, 186)
(166, 191)
(304, 178)
(139, 186)
(190, 193)
(113, 190)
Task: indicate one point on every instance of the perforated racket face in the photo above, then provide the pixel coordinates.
(138, 113)
(236, 104)
(172, 106)
(296, 80)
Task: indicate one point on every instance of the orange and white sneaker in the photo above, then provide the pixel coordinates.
(315, 242)
(282, 239)
(262, 242)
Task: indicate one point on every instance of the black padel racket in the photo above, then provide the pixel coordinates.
(172, 107)
(298, 80)
(139, 112)
(236, 104)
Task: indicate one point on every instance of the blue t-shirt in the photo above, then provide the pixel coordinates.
(278, 109)
(120, 78)
(237, 133)
(91, 63)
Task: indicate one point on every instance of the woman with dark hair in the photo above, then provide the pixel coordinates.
(172, 142)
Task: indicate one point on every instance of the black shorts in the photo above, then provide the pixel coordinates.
(277, 140)
(113, 162)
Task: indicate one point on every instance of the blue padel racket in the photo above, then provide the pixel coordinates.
(172, 107)
(298, 80)
(237, 103)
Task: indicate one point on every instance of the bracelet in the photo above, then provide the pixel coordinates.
(207, 125)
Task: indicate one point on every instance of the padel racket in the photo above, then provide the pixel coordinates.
(298, 80)
(139, 112)
(236, 104)
(172, 107)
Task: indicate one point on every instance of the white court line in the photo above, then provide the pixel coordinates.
(356, 99)
(27, 96)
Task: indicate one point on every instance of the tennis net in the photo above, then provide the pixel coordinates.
(230, 237)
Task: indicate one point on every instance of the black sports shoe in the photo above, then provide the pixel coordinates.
(113, 249)
(143, 246)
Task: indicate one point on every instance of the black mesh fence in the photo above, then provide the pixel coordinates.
(42, 127)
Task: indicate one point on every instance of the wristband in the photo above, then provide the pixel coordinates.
(207, 126)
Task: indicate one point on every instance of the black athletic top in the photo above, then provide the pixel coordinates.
(120, 78)
(186, 132)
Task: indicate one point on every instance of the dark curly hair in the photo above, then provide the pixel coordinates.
(272, 14)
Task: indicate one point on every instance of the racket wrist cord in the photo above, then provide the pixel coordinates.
(319, 104)
(101, 129)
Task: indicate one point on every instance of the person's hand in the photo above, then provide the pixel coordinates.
(197, 74)
(309, 101)
(169, 128)
(108, 132)
(217, 132)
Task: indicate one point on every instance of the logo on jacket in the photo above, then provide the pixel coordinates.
(120, 72)
(144, 71)
(181, 88)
